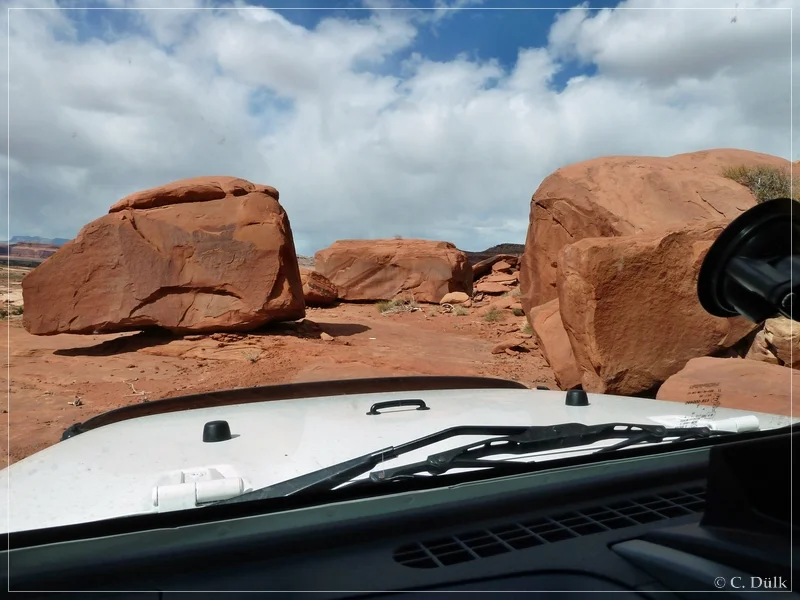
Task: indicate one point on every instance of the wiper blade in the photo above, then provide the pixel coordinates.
(512, 440)
(543, 439)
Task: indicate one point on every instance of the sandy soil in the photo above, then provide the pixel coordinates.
(46, 375)
(11, 292)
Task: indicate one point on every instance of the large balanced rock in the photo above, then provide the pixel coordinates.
(370, 270)
(554, 342)
(778, 343)
(204, 254)
(624, 195)
(630, 308)
(317, 289)
(709, 383)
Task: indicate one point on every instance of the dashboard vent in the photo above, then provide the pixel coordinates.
(500, 539)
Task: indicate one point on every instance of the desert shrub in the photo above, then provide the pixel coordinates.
(518, 312)
(460, 311)
(764, 182)
(397, 305)
(527, 330)
(17, 310)
(493, 315)
(3, 313)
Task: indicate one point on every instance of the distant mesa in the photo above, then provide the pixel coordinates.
(499, 249)
(30, 239)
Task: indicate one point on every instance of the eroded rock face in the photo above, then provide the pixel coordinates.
(629, 306)
(623, 195)
(555, 345)
(777, 343)
(317, 290)
(371, 270)
(731, 383)
(196, 255)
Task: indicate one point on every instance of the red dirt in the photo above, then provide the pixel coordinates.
(110, 371)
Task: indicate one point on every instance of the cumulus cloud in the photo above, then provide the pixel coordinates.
(363, 134)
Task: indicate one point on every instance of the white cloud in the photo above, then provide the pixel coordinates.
(449, 150)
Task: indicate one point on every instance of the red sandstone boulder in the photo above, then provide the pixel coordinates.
(196, 255)
(370, 270)
(732, 383)
(629, 305)
(317, 290)
(624, 195)
(555, 345)
(778, 343)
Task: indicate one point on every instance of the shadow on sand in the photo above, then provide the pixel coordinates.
(121, 345)
(157, 337)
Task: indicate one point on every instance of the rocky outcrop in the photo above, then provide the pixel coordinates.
(496, 276)
(317, 289)
(196, 255)
(371, 270)
(629, 306)
(709, 383)
(778, 343)
(553, 340)
(485, 266)
(623, 195)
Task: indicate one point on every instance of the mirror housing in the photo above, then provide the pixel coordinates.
(753, 268)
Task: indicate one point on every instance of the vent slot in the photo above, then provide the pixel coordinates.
(483, 543)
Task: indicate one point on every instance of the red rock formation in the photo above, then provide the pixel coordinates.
(555, 345)
(485, 266)
(317, 290)
(624, 195)
(630, 308)
(777, 343)
(383, 269)
(204, 254)
(732, 383)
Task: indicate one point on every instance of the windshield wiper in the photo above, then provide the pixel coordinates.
(512, 440)
(541, 439)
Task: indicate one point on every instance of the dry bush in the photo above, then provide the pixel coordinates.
(493, 315)
(765, 183)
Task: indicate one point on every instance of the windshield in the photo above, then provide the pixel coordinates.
(222, 197)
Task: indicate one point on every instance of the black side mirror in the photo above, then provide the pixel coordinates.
(753, 268)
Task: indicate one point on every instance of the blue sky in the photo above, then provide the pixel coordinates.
(482, 30)
(377, 123)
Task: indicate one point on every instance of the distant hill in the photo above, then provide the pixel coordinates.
(30, 239)
(515, 249)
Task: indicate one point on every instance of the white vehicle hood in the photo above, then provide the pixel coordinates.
(160, 462)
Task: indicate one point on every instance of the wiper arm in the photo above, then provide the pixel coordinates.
(542, 439)
(338, 474)
(512, 440)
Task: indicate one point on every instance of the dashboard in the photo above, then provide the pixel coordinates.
(670, 525)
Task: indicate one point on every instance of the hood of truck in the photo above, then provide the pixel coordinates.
(160, 462)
